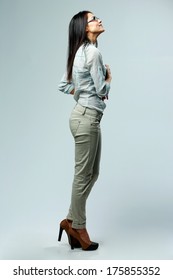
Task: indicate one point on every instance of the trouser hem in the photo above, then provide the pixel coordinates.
(75, 226)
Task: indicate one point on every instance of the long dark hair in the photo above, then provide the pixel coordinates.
(77, 37)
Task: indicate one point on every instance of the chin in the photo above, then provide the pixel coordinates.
(101, 31)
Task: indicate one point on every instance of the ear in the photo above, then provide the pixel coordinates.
(87, 29)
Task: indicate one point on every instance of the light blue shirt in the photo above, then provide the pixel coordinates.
(88, 78)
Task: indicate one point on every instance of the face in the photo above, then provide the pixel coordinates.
(94, 26)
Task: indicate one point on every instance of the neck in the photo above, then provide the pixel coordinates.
(92, 37)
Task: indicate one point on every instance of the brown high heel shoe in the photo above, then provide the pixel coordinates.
(82, 236)
(65, 225)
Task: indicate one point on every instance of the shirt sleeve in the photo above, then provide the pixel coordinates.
(65, 86)
(97, 71)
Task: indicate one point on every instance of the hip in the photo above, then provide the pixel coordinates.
(84, 120)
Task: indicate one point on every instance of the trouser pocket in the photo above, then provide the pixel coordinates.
(74, 126)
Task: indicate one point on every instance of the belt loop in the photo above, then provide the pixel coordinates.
(84, 110)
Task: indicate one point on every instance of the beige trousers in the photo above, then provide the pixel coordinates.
(85, 128)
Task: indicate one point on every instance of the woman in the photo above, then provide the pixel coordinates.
(89, 81)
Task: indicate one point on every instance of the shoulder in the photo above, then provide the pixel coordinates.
(92, 53)
(92, 49)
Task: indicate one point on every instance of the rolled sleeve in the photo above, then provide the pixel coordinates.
(65, 86)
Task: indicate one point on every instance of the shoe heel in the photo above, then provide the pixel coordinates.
(60, 233)
(71, 242)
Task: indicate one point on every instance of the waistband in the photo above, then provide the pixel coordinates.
(88, 111)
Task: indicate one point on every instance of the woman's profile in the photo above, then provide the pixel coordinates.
(88, 80)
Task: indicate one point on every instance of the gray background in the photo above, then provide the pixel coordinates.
(130, 209)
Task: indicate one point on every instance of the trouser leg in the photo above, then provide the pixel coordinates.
(87, 136)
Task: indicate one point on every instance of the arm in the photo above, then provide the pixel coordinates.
(101, 76)
(66, 86)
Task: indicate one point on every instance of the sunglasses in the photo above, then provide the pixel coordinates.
(94, 18)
